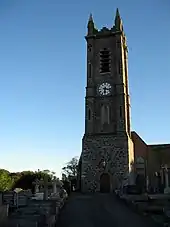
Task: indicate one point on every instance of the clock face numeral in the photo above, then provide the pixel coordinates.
(104, 89)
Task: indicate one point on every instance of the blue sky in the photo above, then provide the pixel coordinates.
(43, 75)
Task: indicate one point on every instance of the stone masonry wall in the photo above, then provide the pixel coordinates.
(111, 149)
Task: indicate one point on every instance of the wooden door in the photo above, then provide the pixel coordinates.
(105, 183)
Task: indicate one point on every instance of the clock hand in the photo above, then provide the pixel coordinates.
(105, 90)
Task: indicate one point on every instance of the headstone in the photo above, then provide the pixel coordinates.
(46, 188)
(43, 183)
(9, 197)
(167, 188)
(54, 186)
(36, 183)
(147, 183)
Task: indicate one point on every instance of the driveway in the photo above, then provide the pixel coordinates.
(100, 210)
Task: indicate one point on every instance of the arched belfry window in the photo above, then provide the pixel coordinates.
(89, 114)
(89, 69)
(120, 111)
(105, 61)
(105, 114)
(89, 47)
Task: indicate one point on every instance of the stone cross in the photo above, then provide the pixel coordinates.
(167, 188)
(57, 184)
(46, 188)
(166, 177)
(54, 185)
(44, 182)
(147, 183)
(36, 183)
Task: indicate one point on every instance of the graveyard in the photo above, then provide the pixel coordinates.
(41, 208)
(119, 179)
(44, 206)
(154, 206)
(23, 208)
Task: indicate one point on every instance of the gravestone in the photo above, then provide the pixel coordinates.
(55, 183)
(167, 188)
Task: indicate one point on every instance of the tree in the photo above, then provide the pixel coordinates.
(24, 180)
(50, 174)
(5, 180)
(69, 174)
(70, 170)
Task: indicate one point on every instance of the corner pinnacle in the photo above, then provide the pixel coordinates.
(117, 13)
(90, 18)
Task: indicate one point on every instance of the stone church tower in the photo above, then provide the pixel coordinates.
(107, 149)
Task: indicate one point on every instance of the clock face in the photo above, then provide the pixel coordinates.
(104, 89)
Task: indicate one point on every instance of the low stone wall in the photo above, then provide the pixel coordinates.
(3, 213)
(15, 199)
(1, 199)
(156, 207)
(31, 212)
(55, 208)
(51, 221)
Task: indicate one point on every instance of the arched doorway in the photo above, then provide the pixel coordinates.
(105, 183)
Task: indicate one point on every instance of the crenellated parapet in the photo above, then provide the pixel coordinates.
(92, 31)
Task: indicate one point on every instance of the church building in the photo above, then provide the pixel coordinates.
(112, 156)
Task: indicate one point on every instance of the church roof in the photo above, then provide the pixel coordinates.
(159, 146)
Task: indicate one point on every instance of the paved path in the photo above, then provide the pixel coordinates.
(100, 210)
